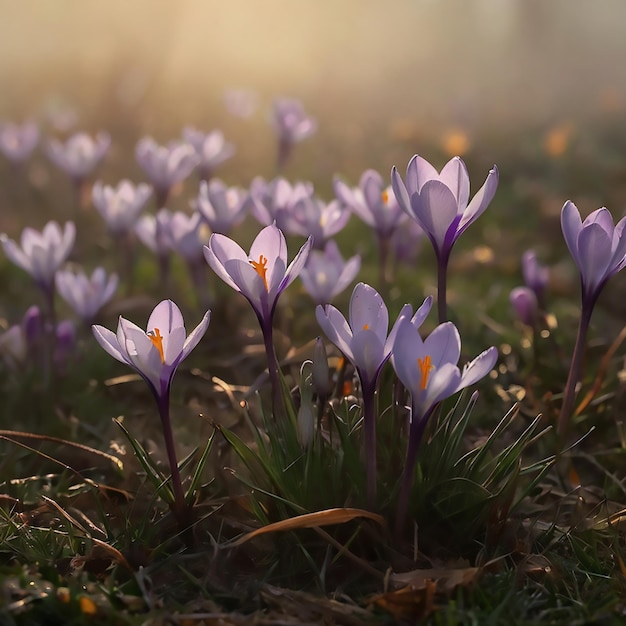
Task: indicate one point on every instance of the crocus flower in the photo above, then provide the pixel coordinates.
(365, 343)
(155, 233)
(79, 155)
(524, 303)
(292, 125)
(41, 254)
(429, 370)
(17, 141)
(185, 235)
(372, 202)
(165, 166)
(273, 201)
(19, 343)
(155, 354)
(321, 220)
(221, 207)
(439, 203)
(406, 242)
(377, 206)
(86, 295)
(120, 206)
(326, 274)
(597, 246)
(599, 250)
(536, 276)
(261, 276)
(211, 148)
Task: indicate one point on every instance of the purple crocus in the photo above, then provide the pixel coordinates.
(261, 276)
(221, 207)
(273, 201)
(155, 354)
(439, 203)
(17, 141)
(377, 206)
(599, 250)
(120, 206)
(536, 276)
(79, 155)
(326, 274)
(187, 234)
(165, 166)
(364, 341)
(41, 254)
(429, 370)
(292, 125)
(154, 232)
(321, 220)
(86, 295)
(211, 148)
(524, 303)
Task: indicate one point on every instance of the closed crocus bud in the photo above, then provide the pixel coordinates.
(524, 303)
(306, 415)
(321, 372)
(65, 344)
(32, 325)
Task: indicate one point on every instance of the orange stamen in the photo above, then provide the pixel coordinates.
(261, 269)
(385, 197)
(155, 337)
(366, 326)
(425, 366)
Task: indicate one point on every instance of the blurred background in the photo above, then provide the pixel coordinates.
(443, 71)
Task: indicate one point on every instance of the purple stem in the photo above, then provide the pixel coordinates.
(272, 366)
(369, 429)
(416, 432)
(442, 285)
(181, 510)
(575, 368)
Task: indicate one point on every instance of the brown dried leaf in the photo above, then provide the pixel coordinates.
(312, 520)
(408, 603)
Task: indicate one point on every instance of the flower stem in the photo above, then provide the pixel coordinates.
(416, 432)
(574, 369)
(442, 285)
(272, 368)
(369, 430)
(182, 511)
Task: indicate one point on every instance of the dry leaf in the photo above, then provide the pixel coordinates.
(312, 520)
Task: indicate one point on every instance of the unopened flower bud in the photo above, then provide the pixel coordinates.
(321, 372)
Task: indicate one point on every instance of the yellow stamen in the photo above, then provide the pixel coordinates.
(385, 197)
(425, 366)
(155, 337)
(261, 269)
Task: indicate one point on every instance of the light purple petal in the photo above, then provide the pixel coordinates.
(571, 225)
(437, 208)
(479, 367)
(368, 311)
(480, 201)
(335, 327)
(108, 340)
(594, 250)
(455, 176)
(443, 345)
(196, 334)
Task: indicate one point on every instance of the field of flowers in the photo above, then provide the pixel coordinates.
(331, 414)
(300, 363)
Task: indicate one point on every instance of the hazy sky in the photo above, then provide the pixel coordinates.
(469, 62)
